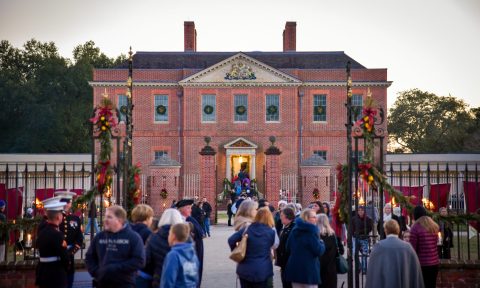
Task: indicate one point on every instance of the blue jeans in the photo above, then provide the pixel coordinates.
(206, 222)
(95, 225)
(362, 244)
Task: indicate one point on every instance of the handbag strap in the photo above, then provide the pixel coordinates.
(336, 244)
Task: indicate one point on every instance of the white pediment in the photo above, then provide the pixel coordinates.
(240, 70)
(240, 143)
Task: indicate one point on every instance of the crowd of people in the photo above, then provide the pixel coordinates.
(309, 243)
(125, 253)
(303, 243)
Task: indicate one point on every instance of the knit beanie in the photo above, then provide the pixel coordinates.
(418, 212)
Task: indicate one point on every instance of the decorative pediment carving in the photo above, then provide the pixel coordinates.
(240, 143)
(240, 71)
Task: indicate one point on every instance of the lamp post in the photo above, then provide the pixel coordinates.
(127, 144)
(349, 125)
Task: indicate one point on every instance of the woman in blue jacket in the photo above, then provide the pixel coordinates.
(158, 247)
(255, 270)
(305, 248)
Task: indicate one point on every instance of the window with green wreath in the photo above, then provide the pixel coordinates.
(272, 104)
(319, 108)
(241, 108)
(209, 107)
(161, 108)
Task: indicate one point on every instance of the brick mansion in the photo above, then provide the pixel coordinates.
(239, 100)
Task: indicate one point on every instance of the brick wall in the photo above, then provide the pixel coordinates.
(183, 136)
(163, 177)
(459, 273)
(315, 177)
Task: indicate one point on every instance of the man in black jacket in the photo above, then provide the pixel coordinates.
(362, 226)
(185, 208)
(287, 215)
(207, 208)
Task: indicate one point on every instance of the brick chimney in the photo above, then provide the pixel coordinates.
(190, 36)
(290, 37)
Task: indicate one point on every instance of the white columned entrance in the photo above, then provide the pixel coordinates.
(240, 147)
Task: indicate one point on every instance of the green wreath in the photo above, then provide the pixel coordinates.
(272, 110)
(316, 193)
(318, 110)
(123, 109)
(241, 110)
(161, 109)
(164, 193)
(208, 109)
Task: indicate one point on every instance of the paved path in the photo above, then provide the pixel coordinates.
(219, 270)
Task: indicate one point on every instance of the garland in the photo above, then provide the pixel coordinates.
(103, 122)
(369, 173)
(134, 192)
(25, 224)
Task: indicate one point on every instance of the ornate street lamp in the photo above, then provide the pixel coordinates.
(349, 125)
(127, 144)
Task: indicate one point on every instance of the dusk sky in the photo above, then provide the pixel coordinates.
(432, 45)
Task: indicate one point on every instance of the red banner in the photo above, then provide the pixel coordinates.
(439, 192)
(472, 197)
(416, 191)
(14, 201)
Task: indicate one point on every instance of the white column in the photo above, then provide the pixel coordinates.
(229, 160)
(252, 174)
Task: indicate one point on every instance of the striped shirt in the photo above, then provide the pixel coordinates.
(425, 244)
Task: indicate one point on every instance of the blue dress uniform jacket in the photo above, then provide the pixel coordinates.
(197, 236)
(113, 259)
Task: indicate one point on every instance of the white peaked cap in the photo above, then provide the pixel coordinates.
(65, 194)
(51, 200)
(54, 206)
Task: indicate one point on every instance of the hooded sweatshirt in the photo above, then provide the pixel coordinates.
(114, 258)
(180, 268)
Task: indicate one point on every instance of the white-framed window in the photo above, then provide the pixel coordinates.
(321, 153)
(320, 108)
(209, 108)
(272, 104)
(161, 108)
(357, 106)
(240, 108)
(160, 153)
(122, 107)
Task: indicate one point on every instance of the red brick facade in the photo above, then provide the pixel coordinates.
(185, 77)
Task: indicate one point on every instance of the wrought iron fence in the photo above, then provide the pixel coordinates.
(23, 185)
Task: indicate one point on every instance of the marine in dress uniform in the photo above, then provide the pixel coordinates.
(72, 233)
(51, 271)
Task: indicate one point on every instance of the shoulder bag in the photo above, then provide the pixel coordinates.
(238, 253)
(340, 261)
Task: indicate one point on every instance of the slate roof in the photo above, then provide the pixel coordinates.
(278, 60)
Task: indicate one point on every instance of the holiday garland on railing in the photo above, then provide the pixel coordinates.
(373, 176)
(134, 193)
(20, 224)
(104, 121)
